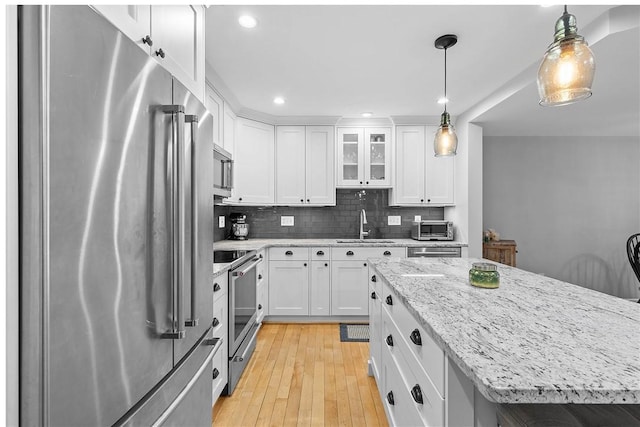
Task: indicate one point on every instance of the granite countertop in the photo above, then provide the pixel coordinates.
(533, 340)
(257, 244)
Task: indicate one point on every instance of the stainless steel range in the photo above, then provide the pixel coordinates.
(242, 310)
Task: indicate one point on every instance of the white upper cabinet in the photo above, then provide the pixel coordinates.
(174, 35)
(215, 106)
(421, 178)
(254, 160)
(364, 157)
(305, 165)
(229, 129)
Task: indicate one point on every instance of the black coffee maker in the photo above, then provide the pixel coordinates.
(239, 226)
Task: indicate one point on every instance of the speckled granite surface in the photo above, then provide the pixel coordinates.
(258, 244)
(532, 340)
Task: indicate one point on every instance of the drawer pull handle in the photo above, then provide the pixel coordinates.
(389, 300)
(374, 278)
(289, 253)
(390, 398)
(216, 322)
(387, 253)
(215, 373)
(320, 253)
(415, 337)
(349, 253)
(216, 287)
(373, 295)
(390, 340)
(416, 393)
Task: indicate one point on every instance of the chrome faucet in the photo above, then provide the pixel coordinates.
(363, 221)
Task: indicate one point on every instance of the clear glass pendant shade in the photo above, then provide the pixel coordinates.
(446, 140)
(567, 69)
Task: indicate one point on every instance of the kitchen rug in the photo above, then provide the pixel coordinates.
(354, 332)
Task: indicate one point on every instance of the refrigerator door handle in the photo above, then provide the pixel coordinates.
(193, 121)
(177, 219)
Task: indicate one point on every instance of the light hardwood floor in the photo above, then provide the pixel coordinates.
(302, 375)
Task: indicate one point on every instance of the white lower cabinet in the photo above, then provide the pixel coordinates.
(288, 288)
(320, 288)
(349, 288)
(418, 384)
(220, 329)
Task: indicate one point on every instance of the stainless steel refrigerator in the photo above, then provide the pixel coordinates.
(116, 230)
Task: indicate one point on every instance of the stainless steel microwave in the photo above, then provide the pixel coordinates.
(222, 172)
(432, 230)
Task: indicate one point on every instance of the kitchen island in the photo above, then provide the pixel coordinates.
(534, 340)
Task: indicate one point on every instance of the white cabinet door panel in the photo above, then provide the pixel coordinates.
(290, 165)
(320, 288)
(410, 151)
(349, 288)
(215, 105)
(254, 179)
(320, 164)
(288, 288)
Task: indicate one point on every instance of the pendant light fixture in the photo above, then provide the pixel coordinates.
(446, 140)
(566, 72)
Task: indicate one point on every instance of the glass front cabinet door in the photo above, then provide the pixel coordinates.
(363, 156)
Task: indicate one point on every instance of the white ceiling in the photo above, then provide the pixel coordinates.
(344, 60)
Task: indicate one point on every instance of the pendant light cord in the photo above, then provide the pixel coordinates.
(446, 100)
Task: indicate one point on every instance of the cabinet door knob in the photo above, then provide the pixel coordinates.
(390, 398)
(365, 264)
(320, 253)
(308, 200)
(416, 393)
(390, 340)
(415, 337)
(160, 53)
(216, 322)
(367, 183)
(147, 40)
(305, 264)
(240, 199)
(349, 253)
(216, 287)
(215, 373)
(387, 253)
(421, 200)
(288, 253)
(259, 306)
(373, 295)
(374, 278)
(428, 200)
(360, 182)
(389, 300)
(259, 276)
(301, 200)
(326, 265)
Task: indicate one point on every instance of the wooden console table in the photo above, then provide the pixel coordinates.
(502, 251)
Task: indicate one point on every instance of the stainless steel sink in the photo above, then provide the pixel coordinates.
(365, 241)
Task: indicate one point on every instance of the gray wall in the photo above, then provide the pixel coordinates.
(570, 203)
(340, 221)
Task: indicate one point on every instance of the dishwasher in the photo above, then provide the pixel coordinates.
(434, 252)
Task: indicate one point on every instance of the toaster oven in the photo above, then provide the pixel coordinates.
(432, 230)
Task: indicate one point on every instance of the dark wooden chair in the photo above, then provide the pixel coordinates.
(633, 252)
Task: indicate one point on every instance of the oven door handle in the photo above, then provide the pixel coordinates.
(246, 350)
(255, 261)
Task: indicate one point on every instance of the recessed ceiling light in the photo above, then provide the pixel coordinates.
(278, 100)
(367, 114)
(443, 100)
(247, 21)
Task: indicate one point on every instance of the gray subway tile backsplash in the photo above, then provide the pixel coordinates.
(340, 221)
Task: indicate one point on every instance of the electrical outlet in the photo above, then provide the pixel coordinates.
(417, 218)
(286, 221)
(395, 219)
(221, 221)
